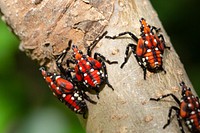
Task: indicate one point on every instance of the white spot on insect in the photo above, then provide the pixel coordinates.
(79, 98)
(146, 34)
(57, 88)
(91, 70)
(64, 51)
(147, 58)
(51, 83)
(161, 55)
(191, 120)
(143, 59)
(80, 68)
(146, 42)
(148, 50)
(181, 100)
(188, 98)
(190, 126)
(76, 110)
(63, 95)
(87, 63)
(82, 59)
(97, 39)
(57, 77)
(144, 63)
(72, 98)
(76, 94)
(156, 48)
(85, 74)
(106, 75)
(95, 82)
(156, 63)
(187, 122)
(98, 73)
(150, 33)
(189, 105)
(155, 40)
(101, 71)
(193, 112)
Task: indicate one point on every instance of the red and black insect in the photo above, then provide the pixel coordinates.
(149, 49)
(65, 89)
(90, 72)
(188, 110)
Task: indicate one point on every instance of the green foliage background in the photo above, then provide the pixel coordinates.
(28, 106)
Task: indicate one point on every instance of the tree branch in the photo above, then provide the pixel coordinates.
(44, 28)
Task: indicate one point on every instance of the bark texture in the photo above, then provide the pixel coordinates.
(44, 28)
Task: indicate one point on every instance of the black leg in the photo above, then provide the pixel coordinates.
(106, 75)
(101, 59)
(88, 98)
(85, 112)
(140, 62)
(63, 54)
(178, 118)
(155, 28)
(170, 110)
(133, 49)
(163, 41)
(70, 61)
(96, 55)
(167, 95)
(162, 69)
(94, 43)
(60, 58)
(121, 34)
(145, 72)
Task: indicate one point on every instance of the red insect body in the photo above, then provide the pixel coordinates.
(148, 50)
(67, 92)
(189, 109)
(64, 84)
(90, 72)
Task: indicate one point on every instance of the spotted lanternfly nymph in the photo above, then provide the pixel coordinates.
(149, 49)
(66, 91)
(91, 72)
(188, 110)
